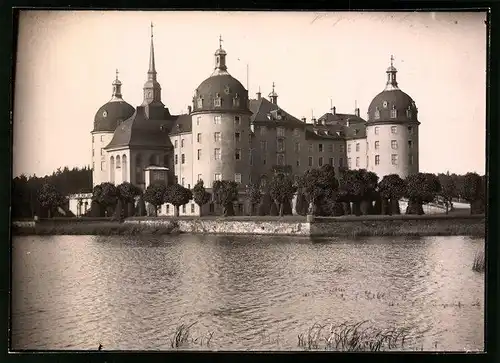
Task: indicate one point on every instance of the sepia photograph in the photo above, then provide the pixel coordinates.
(249, 181)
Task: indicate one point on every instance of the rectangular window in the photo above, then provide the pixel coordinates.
(280, 145)
(320, 148)
(297, 147)
(297, 162)
(192, 207)
(310, 148)
(182, 181)
(341, 148)
(237, 136)
(184, 209)
(102, 152)
(211, 207)
(377, 145)
(237, 120)
(217, 136)
(103, 165)
(216, 120)
(411, 159)
(408, 113)
(341, 162)
(176, 144)
(296, 132)
(377, 159)
(168, 209)
(320, 161)
(357, 162)
(376, 130)
(394, 144)
(280, 159)
(198, 119)
(102, 138)
(217, 102)
(331, 161)
(199, 177)
(410, 130)
(349, 163)
(237, 154)
(394, 130)
(393, 113)
(262, 130)
(198, 138)
(237, 178)
(330, 148)
(183, 159)
(176, 157)
(263, 145)
(348, 148)
(410, 144)
(217, 176)
(394, 159)
(199, 154)
(182, 142)
(357, 146)
(310, 161)
(264, 161)
(217, 154)
(281, 131)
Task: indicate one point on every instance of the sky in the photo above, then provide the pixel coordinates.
(66, 62)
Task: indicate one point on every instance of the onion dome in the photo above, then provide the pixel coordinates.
(392, 104)
(112, 113)
(221, 92)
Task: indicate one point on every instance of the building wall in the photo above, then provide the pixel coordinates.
(338, 153)
(142, 158)
(207, 166)
(183, 148)
(119, 166)
(356, 153)
(392, 140)
(100, 162)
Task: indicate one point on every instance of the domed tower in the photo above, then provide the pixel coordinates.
(106, 120)
(221, 127)
(392, 131)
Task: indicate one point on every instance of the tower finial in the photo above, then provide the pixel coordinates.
(392, 84)
(117, 74)
(220, 41)
(392, 60)
(273, 87)
(152, 29)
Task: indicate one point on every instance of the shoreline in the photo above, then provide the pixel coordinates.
(348, 226)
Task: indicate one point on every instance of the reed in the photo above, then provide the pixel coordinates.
(182, 337)
(352, 337)
(479, 263)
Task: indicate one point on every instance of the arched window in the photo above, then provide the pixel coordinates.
(124, 168)
(112, 169)
(377, 113)
(118, 162)
(394, 112)
(138, 169)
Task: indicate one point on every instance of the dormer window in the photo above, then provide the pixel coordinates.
(356, 132)
(200, 102)
(217, 100)
(385, 104)
(377, 113)
(393, 112)
(236, 101)
(408, 112)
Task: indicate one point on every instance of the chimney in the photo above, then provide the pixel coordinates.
(347, 123)
(189, 109)
(313, 120)
(259, 95)
(303, 119)
(357, 112)
(334, 109)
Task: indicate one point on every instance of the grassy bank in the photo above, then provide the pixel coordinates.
(103, 228)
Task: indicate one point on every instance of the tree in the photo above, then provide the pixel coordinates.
(254, 196)
(448, 190)
(301, 205)
(282, 190)
(155, 195)
(273, 211)
(119, 213)
(200, 195)
(106, 194)
(177, 195)
(287, 208)
(391, 188)
(353, 189)
(265, 205)
(225, 194)
(474, 192)
(127, 194)
(319, 185)
(141, 207)
(421, 188)
(50, 198)
(370, 180)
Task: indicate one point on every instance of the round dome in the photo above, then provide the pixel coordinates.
(108, 116)
(387, 101)
(231, 93)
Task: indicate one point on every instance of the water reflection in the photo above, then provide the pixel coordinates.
(252, 292)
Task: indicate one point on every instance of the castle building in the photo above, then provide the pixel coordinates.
(227, 136)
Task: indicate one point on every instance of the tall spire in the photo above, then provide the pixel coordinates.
(152, 68)
(117, 89)
(392, 84)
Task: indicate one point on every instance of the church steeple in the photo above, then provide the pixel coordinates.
(220, 60)
(152, 89)
(117, 89)
(392, 84)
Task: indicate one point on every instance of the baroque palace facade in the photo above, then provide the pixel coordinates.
(227, 136)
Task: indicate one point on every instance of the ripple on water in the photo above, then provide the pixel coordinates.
(252, 293)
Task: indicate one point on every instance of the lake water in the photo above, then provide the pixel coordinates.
(251, 293)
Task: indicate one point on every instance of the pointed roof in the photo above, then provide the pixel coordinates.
(264, 111)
